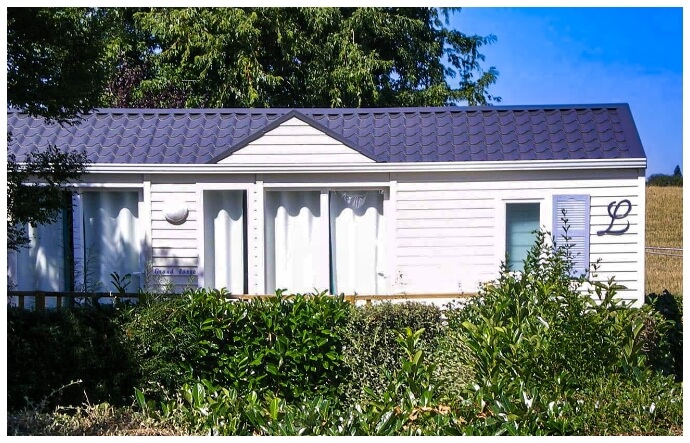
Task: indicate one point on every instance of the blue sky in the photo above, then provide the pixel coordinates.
(592, 55)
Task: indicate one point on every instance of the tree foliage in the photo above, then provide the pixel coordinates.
(55, 60)
(666, 180)
(35, 190)
(56, 69)
(298, 57)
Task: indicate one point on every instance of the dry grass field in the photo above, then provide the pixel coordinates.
(664, 229)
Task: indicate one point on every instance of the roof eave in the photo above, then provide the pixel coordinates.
(524, 165)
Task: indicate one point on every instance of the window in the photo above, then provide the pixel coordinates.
(356, 239)
(317, 240)
(522, 220)
(42, 265)
(97, 236)
(295, 242)
(571, 213)
(110, 238)
(225, 244)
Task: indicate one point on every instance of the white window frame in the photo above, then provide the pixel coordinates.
(545, 216)
(250, 190)
(143, 223)
(389, 208)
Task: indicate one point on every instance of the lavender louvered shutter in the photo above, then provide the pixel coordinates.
(572, 212)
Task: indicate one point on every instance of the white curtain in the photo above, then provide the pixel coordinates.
(357, 236)
(224, 240)
(40, 266)
(296, 242)
(111, 240)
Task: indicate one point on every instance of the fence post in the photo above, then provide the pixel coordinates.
(40, 301)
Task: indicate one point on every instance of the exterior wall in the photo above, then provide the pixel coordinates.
(451, 227)
(446, 231)
(174, 254)
(295, 142)
(175, 251)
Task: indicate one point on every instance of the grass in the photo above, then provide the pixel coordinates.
(664, 229)
(88, 420)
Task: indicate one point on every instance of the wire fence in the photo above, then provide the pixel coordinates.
(42, 300)
(667, 252)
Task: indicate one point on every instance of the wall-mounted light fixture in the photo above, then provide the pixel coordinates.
(175, 211)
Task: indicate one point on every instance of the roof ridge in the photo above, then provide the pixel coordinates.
(339, 111)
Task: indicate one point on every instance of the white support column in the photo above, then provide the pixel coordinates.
(255, 237)
(642, 211)
(324, 268)
(200, 238)
(390, 215)
(145, 229)
(78, 240)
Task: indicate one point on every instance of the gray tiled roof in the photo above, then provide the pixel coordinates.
(497, 133)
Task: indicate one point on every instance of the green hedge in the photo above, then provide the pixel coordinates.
(669, 345)
(370, 341)
(288, 346)
(46, 351)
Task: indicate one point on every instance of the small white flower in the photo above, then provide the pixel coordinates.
(652, 408)
(543, 322)
(528, 401)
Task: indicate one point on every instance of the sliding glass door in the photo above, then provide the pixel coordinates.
(111, 238)
(357, 236)
(295, 242)
(224, 241)
(321, 240)
(42, 265)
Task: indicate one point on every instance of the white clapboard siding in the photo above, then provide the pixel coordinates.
(438, 279)
(597, 188)
(174, 248)
(447, 231)
(457, 262)
(173, 234)
(295, 142)
(469, 193)
(159, 262)
(447, 214)
(409, 222)
(445, 242)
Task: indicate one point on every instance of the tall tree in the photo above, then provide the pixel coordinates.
(56, 68)
(308, 57)
(55, 60)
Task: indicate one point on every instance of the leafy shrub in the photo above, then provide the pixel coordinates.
(287, 346)
(649, 404)
(370, 341)
(534, 340)
(454, 369)
(162, 343)
(48, 350)
(668, 347)
(407, 407)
